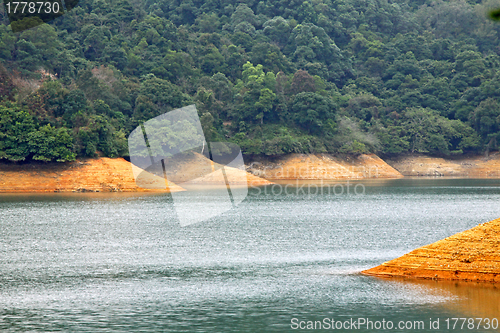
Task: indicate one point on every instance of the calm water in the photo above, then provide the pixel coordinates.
(121, 262)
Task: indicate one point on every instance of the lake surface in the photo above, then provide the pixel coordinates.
(122, 262)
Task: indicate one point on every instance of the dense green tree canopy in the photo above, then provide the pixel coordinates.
(276, 76)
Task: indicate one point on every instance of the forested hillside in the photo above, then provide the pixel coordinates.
(274, 76)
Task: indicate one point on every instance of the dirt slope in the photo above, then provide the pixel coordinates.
(90, 175)
(197, 169)
(472, 255)
(469, 167)
(322, 166)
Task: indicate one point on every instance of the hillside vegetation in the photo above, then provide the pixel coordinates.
(275, 77)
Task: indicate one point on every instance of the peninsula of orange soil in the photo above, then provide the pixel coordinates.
(89, 175)
(197, 169)
(472, 255)
(322, 166)
(467, 167)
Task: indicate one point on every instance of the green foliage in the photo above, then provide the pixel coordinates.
(424, 131)
(312, 111)
(276, 77)
(21, 139)
(7, 88)
(156, 96)
(255, 93)
(15, 129)
(495, 14)
(51, 144)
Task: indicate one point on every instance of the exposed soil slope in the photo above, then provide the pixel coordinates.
(113, 175)
(472, 255)
(197, 169)
(89, 175)
(322, 166)
(469, 167)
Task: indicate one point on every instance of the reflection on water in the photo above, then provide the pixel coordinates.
(478, 300)
(121, 262)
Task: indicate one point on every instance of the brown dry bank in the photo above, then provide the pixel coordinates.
(322, 166)
(472, 255)
(197, 169)
(111, 175)
(89, 175)
(464, 167)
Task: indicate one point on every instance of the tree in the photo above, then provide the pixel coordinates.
(423, 131)
(302, 82)
(486, 117)
(208, 23)
(51, 144)
(96, 42)
(7, 88)
(242, 14)
(486, 121)
(7, 43)
(310, 43)
(255, 93)
(365, 107)
(265, 103)
(270, 57)
(278, 30)
(212, 61)
(313, 112)
(178, 65)
(73, 103)
(15, 129)
(157, 96)
(115, 56)
(43, 44)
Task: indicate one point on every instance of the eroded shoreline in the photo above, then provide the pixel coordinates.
(471, 255)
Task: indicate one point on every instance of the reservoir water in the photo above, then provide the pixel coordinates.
(121, 262)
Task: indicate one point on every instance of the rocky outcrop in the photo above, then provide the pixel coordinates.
(322, 167)
(89, 175)
(464, 167)
(472, 255)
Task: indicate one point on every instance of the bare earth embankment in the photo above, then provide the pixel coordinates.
(197, 169)
(472, 255)
(322, 167)
(89, 175)
(113, 175)
(463, 167)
